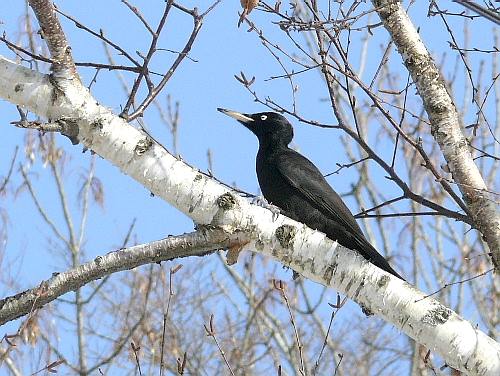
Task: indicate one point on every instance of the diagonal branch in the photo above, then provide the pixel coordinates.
(196, 243)
(53, 34)
(445, 123)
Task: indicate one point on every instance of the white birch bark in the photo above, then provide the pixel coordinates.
(446, 127)
(196, 243)
(206, 201)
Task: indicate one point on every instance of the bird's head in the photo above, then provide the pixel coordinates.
(270, 128)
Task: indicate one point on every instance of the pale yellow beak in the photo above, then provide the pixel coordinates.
(244, 118)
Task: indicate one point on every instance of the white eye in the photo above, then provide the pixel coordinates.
(263, 117)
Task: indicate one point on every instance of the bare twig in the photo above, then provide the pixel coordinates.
(210, 330)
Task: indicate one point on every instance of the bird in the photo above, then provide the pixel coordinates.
(296, 186)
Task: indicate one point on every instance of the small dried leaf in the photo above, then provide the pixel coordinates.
(248, 6)
(233, 253)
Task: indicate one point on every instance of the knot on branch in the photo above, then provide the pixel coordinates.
(69, 128)
(143, 146)
(226, 201)
(437, 316)
(66, 126)
(286, 235)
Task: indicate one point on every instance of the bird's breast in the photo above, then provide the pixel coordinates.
(276, 189)
(272, 184)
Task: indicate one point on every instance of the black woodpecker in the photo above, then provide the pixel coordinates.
(294, 184)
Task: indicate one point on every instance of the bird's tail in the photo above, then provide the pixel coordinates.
(371, 254)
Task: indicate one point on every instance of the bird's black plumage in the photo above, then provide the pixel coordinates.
(295, 185)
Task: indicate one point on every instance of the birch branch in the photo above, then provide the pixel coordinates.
(197, 243)
(446, 127)
(53, 34)
(293, 244)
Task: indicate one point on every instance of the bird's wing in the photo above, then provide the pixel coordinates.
(304, 176)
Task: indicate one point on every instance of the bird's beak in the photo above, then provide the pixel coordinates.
(243, 118)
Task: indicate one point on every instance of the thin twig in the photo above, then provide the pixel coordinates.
(210, 330)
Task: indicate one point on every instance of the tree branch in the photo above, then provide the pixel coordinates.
(197, 243)
(53, 34)
(445, 122)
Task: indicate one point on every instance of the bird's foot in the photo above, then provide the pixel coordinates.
(262, 202)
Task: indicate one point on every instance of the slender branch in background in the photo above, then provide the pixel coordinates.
(51, 367)
(152, 49)
(280, 286)
(456, 283)
(210, 331)
(135, 350)
(155, 89)
(49, 221)
(490, 14)
(9, 173)
(44, 59)
(100, 35)
(165, 315)
(335, 308)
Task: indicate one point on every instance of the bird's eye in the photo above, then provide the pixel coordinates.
(263, 117)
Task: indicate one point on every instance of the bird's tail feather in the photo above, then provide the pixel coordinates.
(369, 252)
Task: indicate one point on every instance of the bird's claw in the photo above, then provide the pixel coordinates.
(262, 202)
